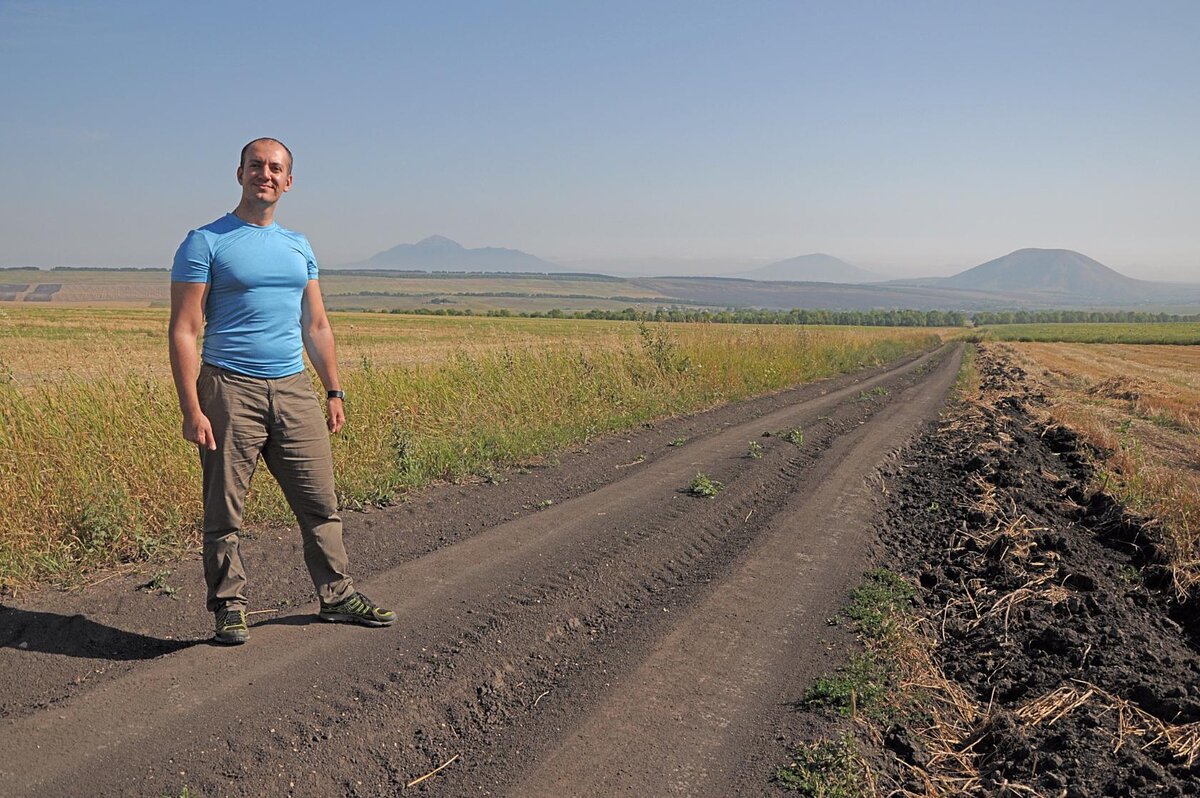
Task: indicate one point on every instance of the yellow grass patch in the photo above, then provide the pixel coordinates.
(93, 470)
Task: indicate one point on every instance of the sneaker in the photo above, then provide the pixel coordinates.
(231, 627)
(357, 609)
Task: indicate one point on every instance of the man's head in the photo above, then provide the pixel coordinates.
(265, 171)
(269, 140)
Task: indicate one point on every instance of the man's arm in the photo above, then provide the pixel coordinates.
(183, 332)
(318, 343)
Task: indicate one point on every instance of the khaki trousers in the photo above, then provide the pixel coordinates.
(280, 420)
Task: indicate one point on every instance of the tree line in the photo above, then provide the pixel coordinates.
(858, 318)
(985, 318)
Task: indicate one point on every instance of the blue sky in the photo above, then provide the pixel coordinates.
(907, 137)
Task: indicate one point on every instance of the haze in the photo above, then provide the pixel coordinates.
(911, 139)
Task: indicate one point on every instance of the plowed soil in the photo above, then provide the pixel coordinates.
(1053, 607)
(583, 627)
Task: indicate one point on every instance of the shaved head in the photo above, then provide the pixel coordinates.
(242, 160)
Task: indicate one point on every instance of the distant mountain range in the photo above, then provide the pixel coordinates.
(815, 268)
(1026, 278)
(1033, 278)
(1052, 273)
(438, 253)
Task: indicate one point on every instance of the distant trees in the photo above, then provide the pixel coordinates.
(854, 318)
(989, 318)
(859, 318)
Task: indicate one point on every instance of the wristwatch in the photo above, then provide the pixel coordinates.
(336, 395)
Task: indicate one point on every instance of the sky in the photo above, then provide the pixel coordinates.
(911, 138)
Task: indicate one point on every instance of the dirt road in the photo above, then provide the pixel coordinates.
(586, 628)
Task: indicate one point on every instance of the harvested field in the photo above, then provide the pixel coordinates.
(1138, 408)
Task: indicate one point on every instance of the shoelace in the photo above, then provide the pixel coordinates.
(228, 619)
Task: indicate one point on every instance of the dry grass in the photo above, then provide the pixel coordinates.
(1140, 407)
(93, 471)
(1133, 723)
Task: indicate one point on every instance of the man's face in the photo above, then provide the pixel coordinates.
(266, 173)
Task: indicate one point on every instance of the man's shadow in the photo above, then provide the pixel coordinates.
(79, 636)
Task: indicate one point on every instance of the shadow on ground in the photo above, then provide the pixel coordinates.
(79, 636)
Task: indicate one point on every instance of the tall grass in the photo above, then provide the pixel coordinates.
(94, 472)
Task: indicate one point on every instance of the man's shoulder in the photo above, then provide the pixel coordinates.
(226, 224)
(292, 234)
(299, 240)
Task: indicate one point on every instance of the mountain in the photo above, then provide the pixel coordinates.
(816, 268)
(438, 253)
(1061, 272)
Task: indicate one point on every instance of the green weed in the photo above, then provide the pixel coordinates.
(702, 485)
(158, 584)
(857, 687)
(756, 450)
(825, 769)
(866, 396)
(875, 603)
(1130, 575)
(794, 435)
(862, 688)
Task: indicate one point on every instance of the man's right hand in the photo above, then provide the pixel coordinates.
(199, 431)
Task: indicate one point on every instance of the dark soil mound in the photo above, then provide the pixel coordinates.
(1052, 603)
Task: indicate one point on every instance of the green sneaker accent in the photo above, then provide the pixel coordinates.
(357, 609)
(231, 627)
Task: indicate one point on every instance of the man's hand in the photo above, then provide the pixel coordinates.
(199, 431)
(337, 415)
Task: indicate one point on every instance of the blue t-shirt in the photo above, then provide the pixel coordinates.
(256, 276)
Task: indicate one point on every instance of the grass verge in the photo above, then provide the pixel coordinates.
(896, 697)
(93, 471)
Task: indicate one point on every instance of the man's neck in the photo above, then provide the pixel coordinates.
(261, 215)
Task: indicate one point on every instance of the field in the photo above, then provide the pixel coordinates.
(1032, 635)
(95, 472)
(1184, 333)
(1139, 406)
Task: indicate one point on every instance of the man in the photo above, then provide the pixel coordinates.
(251, 285)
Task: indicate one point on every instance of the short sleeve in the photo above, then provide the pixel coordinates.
(309, 257)
(193, 260)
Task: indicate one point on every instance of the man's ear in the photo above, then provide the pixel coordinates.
(239, 175)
